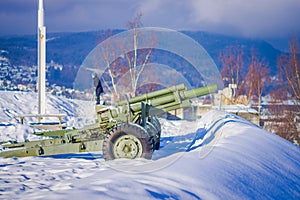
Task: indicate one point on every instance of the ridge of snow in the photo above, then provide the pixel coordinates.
(225, 157)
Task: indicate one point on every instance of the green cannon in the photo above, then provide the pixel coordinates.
(130, 129)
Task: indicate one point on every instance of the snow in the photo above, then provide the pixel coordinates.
(14, 104)
(220, 156)
(238, 108)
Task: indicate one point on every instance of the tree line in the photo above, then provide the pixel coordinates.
(282, 113)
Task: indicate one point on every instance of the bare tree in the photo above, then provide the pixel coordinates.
(232, 61)
(256, 79)
(132, 62)
(136, 68)
(288, 96)
(289, 67)
(232, 66)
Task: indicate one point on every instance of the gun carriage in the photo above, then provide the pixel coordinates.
(130, 129)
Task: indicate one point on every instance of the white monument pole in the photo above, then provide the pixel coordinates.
(41, 60)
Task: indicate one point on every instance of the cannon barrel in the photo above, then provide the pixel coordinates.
(174, 99)
(152, 95)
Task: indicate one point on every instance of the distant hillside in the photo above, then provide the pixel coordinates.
(214, 43)
(70, 49)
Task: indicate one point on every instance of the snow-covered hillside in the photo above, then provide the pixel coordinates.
(220, 156)
(13, 104)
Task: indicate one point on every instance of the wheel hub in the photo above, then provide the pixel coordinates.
(127, 146)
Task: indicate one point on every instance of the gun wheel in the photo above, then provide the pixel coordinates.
(156, 123)
(127, 141)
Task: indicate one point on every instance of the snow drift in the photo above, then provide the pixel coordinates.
(226, 157)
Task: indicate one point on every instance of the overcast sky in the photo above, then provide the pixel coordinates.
(250, 18)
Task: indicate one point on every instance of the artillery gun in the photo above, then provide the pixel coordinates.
(130, 129)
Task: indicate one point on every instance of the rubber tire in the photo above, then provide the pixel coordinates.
(156, 123)
(127, 129)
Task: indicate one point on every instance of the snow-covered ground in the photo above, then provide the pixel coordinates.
(220, 156)
(13, 104)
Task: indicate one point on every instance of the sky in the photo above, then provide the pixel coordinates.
(255, 18)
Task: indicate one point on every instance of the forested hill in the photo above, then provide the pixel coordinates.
(70, 49)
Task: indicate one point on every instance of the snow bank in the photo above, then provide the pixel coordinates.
(225, 157)
(13, 104)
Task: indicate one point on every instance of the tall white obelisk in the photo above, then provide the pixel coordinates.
(41, 60)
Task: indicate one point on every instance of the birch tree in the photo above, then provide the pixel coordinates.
(136, 66)
(256, 79)
(288, 95)
(133, 62)
(232, 61)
